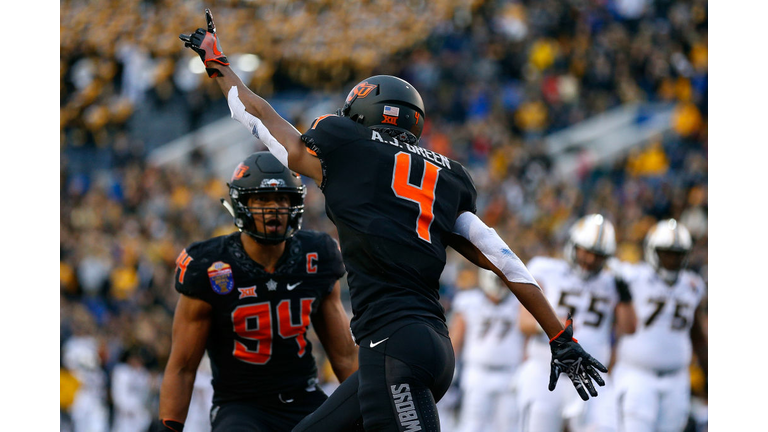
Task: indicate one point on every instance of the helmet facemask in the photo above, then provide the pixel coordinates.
(593, 234)
(670, 237)
(492, 285)
(262, 176)
(267, 224)
(670, 263)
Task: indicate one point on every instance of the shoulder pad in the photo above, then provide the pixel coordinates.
(191, 275)
(334, 125)
(316, 122)
(328, 132)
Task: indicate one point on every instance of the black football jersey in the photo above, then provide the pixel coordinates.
(393, 203)
(257, 342)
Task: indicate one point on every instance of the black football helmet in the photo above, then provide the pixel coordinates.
(261, 172)
(389, 104)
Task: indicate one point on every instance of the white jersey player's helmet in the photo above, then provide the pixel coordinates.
(667, 235)
(593, 233)
(492, 285)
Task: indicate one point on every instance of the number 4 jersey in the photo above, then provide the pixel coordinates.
(257, 342)
(392, 203)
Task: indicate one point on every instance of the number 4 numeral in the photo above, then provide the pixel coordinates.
(423, 195)
(182, 262)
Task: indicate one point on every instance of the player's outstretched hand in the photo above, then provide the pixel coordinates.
(569, 357)
(206, 44)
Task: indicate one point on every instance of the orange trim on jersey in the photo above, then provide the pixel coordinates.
(312, 152)
(317, 120)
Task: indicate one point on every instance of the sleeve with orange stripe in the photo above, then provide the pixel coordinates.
(191, 278)
(329, 132)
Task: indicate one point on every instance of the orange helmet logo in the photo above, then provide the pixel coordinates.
(362, 90)
(239, 172)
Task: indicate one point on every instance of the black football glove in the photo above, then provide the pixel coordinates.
(206, 45)
(569, 357)
(164, 425)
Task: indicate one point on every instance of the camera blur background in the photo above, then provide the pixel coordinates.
(558, 108)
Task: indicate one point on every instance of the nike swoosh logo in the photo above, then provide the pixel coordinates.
(374, 344)
(291, 287)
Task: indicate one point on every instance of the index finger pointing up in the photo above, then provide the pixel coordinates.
(209, 19)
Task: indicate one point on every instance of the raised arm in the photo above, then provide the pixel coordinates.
(332, 328)
(483, 246)
(528, 293)
(191, 323)
(251, 110)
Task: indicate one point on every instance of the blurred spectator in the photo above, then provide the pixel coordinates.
(131, 391)
(88, 409)
(198, 416)
(69, 387)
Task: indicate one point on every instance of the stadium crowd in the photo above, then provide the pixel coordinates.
(496, 77)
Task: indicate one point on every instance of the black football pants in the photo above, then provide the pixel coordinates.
(403, 373)
(269, 414)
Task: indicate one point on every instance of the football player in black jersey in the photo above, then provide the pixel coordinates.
(248, 299)
(397, 207)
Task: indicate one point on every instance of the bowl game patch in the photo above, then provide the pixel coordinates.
(220, 275)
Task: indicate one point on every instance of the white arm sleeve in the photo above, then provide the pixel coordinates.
(255, 126)
(485, 239)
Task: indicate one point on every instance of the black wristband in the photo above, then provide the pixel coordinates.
(623, 289)
(165, 425)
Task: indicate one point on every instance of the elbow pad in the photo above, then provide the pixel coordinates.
(488, 242)
(255, 126)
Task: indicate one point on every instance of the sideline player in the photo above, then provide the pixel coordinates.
(652, 366)
(599, 304)
(247, 298)
(489, 345)
(397, 207)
